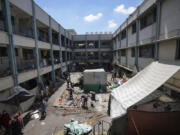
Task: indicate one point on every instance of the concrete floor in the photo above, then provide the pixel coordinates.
(54, 121)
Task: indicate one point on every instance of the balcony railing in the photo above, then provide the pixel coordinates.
(56, 60)
(4, 68)
(23, 30)
(44, 62)
(2, 25)
(55, 41)
(42, 36)
(25, 65)
(106, 46)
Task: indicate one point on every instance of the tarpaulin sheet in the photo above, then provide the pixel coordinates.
(139, 87)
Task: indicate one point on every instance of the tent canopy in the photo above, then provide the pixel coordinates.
(18, 96)
(140, 86)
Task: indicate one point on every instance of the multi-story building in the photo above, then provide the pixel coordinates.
(93, 50)
(33, 46)
(150, 33)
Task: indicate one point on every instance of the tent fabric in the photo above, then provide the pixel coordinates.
(139, 87)
(19, 95)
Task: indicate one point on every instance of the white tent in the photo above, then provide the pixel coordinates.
(140, 86)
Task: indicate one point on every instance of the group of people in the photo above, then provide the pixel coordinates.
(11, 126)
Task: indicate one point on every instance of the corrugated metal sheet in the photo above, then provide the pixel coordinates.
(140, 86)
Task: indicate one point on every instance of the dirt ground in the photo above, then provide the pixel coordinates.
(54, 122)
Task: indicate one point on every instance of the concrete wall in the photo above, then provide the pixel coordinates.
(4, 37)
(170, 14)
(167, 52)
(143, 62)
(24, 5)
(123, 43)
(123, 60)
(23, 41)
(147, 35)
(131, 37)
(131, 60)
(42, 16)
(54, 25)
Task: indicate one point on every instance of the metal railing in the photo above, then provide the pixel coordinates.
(42, 36)
(4, 68)
(55, 41)
(106, 46)
(23, 30)
(25, 65)
(44, 62)
(2, 25)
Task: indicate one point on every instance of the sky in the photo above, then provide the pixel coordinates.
(89, 15)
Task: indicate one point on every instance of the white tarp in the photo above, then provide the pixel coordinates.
(140, 86)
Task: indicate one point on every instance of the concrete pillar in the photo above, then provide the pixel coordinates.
(20, 53)
(120, 48)
(51, 51)
(137, 41)
(99, 49)
(60, 45)
(137, 45)
(158, 18)
(86, 43)
(117, 50)
(36, 41)
(65, 47)
(127, 43)
(73, 53)
(11, 48)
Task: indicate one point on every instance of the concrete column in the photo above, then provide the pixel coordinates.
(99, 49)
(60, 45)
(158, 18)
(137, 41)
(86, 53)
(65, 47)
(51, 51)
(20, 53)
(120, 50)
(73, 54)
(68, 45)
(117, 50)
(36, 41)
(11, 48)
(127, 43)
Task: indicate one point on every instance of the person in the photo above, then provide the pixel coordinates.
(16, 126)
(20, 120)
(6, 121)
(85, 100)
(70, 91)
(43, 108)
(68, 81)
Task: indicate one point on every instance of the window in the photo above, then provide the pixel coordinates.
(3, 52)
(134, 28)
(132, 52)
(123, 52)
(148, 19)
(123, 34)
(146, 51)
(178, 49)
